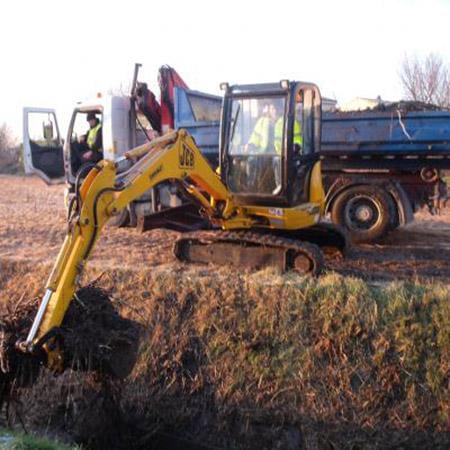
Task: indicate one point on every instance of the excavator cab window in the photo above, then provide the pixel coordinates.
(270, 139)
(255, 145)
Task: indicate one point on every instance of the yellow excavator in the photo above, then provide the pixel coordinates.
(264, 204)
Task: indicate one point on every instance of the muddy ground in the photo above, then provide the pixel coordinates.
(32, 228)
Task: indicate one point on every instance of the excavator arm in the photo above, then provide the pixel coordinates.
(105, 193)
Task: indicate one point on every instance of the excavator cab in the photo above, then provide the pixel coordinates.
(270, 137)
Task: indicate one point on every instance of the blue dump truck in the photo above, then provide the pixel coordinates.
(379, 166)
(382, 166)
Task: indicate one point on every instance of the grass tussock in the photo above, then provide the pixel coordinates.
(236, 360)
(9, 441)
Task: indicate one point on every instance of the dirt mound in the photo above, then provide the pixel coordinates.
(74, 407)
(15, 369)
(403, 106)
(95, 338)
(406, 106)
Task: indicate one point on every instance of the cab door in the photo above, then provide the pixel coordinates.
(304, 139)
(42, 144)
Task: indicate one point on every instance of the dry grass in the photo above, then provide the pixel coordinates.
(240, 360)
(235, 360)
(33, 226)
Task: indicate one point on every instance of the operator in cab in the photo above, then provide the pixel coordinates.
(267, 139)
(262, 137)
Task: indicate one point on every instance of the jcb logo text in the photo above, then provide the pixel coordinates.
(186, 157)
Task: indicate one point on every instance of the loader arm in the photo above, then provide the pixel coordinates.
(105, 193)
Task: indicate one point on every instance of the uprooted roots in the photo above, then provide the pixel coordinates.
(15, 369)
(94, 337)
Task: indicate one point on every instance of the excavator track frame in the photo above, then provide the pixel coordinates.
(250, 249)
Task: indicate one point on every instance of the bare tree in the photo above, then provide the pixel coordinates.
(10, 152)
(426, 80)
(6, 138)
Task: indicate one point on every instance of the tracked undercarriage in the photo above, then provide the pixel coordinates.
(299, 250)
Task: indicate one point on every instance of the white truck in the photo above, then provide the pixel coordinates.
(127, 121)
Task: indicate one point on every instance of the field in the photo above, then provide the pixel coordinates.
(32, 228)
(357, 359)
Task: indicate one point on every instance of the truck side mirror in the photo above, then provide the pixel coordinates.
(47, 128)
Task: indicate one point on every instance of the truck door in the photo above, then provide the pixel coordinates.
(42, 145)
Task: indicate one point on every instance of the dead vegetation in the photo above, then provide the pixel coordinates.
(232, 360)
(94, 336)
(240, 360)
(10, 152)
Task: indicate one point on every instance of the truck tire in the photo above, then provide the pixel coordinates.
(364, 211)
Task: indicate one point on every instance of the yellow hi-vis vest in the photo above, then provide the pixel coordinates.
(260, 134)
(278, 134)
(92, 135)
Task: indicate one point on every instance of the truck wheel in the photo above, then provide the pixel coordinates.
(364, 211)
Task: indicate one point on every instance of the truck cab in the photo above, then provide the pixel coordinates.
(54, 159)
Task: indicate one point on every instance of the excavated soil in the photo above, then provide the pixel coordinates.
(32, 228)
(95, 339)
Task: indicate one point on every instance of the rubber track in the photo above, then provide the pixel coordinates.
(312, 251)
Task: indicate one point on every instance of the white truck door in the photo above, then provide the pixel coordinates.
(42, 145)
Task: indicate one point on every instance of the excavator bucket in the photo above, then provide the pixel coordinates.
(93, 337)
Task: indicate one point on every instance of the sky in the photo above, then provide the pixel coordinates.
(55, 53)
